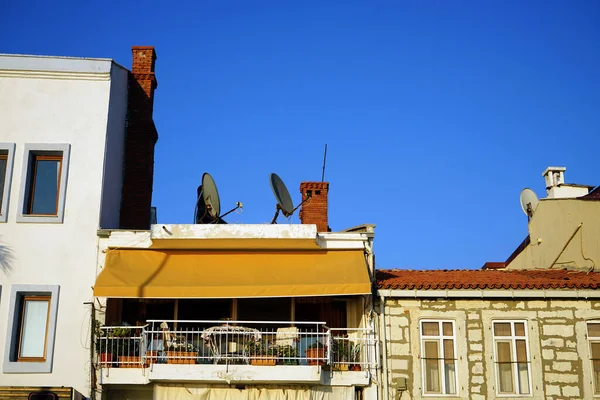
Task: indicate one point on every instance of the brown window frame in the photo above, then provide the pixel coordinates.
(36, 158)
(25, 300)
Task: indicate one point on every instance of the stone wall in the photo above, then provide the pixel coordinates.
(557, 331)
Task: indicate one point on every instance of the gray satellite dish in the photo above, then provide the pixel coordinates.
(529, 201)
(210, 195)
(284, 200)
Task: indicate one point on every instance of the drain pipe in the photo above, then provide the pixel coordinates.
(386, 389)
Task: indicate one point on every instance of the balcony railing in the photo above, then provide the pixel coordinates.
(235, 343)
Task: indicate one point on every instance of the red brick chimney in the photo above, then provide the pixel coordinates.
(138, 169)
(314, 210)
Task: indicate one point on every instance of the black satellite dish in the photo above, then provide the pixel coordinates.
(208, 203)
(282, 195)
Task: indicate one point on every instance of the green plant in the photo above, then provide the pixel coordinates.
(354, 352)
(288, 355)
(260, 348)
(104, 343)
(340, 350)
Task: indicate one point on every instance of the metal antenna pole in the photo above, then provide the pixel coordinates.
(324, 162)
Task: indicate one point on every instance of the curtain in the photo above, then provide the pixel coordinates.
(505, 374)
(33, 338)
(432, 367)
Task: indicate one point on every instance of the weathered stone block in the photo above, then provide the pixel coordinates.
(567, 355)
(552, 390)
(562, 378)
(477, 380)
(396, 334)
(562, 366)
(537, 304)
(553, 342)
(558, 330)
(575, 304)
(571, 344)
(477, 397)
(475, 335)
(475, 357)
(571, 391)
(472, 304)
(498, 305)
(400, 349)
(555, 321)
(476, 347)
(399, 365)
(473, 316)
(477, 368)
(548, 354)
(556, 314)
(397, 320)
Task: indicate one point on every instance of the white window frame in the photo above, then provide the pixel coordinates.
(11, 363)
(440, 338)
(9, 149)
(590, 340)
(32, 150)
(513, 348)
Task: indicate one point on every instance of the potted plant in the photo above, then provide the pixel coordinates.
(129, 353)
(261, 353)
(340, 350)
(287, 355)
(105, 346)
(315, 353)
(354, 356)
(181, 352)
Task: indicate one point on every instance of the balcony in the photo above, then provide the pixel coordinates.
(235, 352)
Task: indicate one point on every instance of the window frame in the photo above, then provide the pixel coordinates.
(12, 362)
(9, 148)
(440, 340)
(513, 350)
(590, 340)
(35, 159)
(30, 157)
(22, 306)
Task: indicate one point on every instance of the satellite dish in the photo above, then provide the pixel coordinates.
(529, 202)
(282, 195)
(210, 195)
(208, 203)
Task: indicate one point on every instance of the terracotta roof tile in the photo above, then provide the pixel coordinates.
(487, 279)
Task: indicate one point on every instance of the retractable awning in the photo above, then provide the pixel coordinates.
(193, 274)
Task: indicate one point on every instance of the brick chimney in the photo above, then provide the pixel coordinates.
(314, 210)
(141, 136)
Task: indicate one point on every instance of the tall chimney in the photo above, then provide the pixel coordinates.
(314, 209)
(141, 136)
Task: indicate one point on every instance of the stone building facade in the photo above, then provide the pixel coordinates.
(490, 334)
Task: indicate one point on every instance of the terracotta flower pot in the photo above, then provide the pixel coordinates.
(181, 357)
(264, 361)
(315, 356)
(106, 360)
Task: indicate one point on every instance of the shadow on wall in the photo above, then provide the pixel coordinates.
(7, 258)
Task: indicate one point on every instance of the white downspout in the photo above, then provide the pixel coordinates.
(384, 350)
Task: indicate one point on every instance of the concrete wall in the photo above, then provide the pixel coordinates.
(560, 366)
(67, 104)
(114, 149)
(565, 233)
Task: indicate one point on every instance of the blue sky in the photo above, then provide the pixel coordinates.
(436, 113)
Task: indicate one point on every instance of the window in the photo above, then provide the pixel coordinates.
(438, 357)
(43, 187)
(7, 152)
(593, 331)
(31, 329)
(511, 357)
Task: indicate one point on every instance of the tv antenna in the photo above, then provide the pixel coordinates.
(529, 202)
(282, 195)
(208, 203)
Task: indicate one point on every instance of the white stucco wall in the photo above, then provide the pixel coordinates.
(68, 103)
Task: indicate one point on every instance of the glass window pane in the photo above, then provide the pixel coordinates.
(504, 353)
(45, 187)
(450, 376)
(33, 331)
(431, 349)
(447, 328)
(521, 351)
(505, 378)
(595, 350)
(502, 329)
(449, 349)
(432, 376)
(430, 329)
(519, 329)
(596, 366)
(594, 330)
(523, 378)
(3, 162)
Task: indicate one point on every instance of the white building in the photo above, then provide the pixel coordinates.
(77, 142)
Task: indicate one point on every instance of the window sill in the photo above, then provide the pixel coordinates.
(40, 219)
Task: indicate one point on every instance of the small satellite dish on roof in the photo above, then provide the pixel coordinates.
(208, 203)
(529, 202)
(282, 195)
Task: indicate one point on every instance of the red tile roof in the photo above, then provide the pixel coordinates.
(487, 279)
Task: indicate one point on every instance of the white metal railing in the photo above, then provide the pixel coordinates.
(234, 342)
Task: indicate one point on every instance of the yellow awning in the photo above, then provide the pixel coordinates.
(189, 274)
